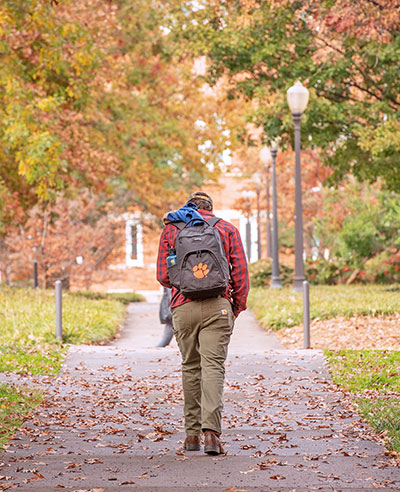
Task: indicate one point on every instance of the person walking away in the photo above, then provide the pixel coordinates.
(166, 318)
(203, 312)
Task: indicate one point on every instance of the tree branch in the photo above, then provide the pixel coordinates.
(380, 97)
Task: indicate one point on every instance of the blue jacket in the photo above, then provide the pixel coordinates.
(187, 213)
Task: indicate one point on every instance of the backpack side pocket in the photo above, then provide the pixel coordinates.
(173, 274)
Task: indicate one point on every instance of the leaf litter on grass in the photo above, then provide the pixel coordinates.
(358, 332)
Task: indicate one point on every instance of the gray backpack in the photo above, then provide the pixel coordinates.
(201, 269)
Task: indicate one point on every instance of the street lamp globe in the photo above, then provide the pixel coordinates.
(275, 143)
(297, 97)
(265, 156)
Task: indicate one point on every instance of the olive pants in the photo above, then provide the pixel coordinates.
(202, 330)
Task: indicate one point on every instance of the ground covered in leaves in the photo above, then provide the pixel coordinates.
(364, 359)
(357, 332)
(113, 418)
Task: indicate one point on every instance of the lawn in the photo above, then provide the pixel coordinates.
(374, 377)
(28, 316)
(276, 309)
(27, 327)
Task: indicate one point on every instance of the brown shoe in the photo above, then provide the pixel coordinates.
(192, 443)
(212, 444)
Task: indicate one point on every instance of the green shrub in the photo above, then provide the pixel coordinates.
(330, 272)
(260, 273)
(383, 269)
(317, 272)
(321, 271)
(359, 237)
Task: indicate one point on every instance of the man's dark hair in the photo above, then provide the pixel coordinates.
(202, 200)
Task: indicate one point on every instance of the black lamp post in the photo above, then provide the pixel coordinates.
(297, 97)
(247, 196)
(276, 281)
(265, 157)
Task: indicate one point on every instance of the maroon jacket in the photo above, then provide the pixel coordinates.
(238, 287)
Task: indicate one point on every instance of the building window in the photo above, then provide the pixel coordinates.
(134, 244)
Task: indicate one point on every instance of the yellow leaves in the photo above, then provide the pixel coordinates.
(42, 190)
(40, 17)
(83, 59)
(377, 139)
(9, 82)
(39, 161)
(47, 103)
(126, 111)
(5, 19)
(68, 29)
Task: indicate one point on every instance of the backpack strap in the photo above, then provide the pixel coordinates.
(213, 220)
(179, 225)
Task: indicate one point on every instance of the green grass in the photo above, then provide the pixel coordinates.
(28, 315)
(276, 309)
(27, 327)
(15, 405)
(370, 374)
(384, 416)
(39, 359)
(359, 370)
(124, 297)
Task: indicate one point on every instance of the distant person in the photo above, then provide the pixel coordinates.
(166, 318)
(207, 271)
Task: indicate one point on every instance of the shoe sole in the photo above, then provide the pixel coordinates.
(214, 450)
(192, 447)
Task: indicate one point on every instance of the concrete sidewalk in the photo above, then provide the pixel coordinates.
(113, 421)
(143, 331)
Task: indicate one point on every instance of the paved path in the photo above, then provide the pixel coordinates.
(143, 331)
(113, 421)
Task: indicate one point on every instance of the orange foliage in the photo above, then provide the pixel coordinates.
(56, 237)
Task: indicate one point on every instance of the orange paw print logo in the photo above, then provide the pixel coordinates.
(201, 270)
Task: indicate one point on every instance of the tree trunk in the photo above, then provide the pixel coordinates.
(352, 277)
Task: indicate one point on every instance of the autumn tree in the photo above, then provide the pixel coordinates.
(66, 231)
(348, 61)
(94, 97)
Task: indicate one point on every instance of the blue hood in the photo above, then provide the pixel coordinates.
(187, 213)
